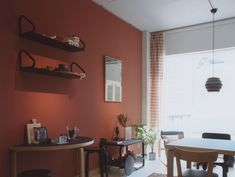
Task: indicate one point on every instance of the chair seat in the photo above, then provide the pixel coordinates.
(197, 173)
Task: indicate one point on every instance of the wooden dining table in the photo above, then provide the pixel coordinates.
(221, 146)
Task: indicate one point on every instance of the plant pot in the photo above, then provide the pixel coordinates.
(152, 156)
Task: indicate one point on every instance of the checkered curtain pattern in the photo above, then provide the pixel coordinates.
(156, 76)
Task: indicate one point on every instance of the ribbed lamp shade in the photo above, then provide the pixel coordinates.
(213, 84)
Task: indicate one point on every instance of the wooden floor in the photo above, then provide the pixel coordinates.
(157, 166)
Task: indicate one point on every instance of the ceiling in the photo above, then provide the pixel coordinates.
(159, 15)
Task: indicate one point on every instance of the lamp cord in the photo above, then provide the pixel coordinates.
(211, 4)
(213, 11)
(213, 44)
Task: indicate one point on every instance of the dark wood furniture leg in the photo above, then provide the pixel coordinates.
(225, 171)
(120, 156)
(143, 153)
(13, 164)
(87, 165)
(101, 159)
(105, 163)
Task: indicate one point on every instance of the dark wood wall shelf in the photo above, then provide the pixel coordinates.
(33, 36)
(51, 42)
(51, 72)
(64, 74)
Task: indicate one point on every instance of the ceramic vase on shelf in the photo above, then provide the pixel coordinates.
(127, 133)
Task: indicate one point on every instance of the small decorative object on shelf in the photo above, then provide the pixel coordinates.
(41, 135)
(74, 40)
(122, 119)
(30, 131)
(52, 36)
(73, 44)
(62, 67)
(116, 136)
(37, 134)
(72, 133)
(61, 71)
(62, 139)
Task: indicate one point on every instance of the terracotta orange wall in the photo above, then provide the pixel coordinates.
(57, 102)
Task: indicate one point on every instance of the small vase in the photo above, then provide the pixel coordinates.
(127, 133)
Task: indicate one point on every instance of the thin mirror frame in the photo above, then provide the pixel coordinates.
(113, 85)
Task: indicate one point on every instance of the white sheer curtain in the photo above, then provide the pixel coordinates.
(186, 105)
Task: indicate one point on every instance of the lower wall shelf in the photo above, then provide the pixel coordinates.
(57, 72)
(64, 74)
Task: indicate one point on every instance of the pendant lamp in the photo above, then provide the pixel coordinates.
(213, 84)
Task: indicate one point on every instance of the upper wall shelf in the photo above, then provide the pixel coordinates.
(33, 36)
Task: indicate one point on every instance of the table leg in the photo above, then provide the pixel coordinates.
(170, 162)
(120, 156)
(143, 153)
(13, 164)
(82, 162)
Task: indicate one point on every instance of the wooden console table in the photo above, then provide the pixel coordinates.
(77, 144)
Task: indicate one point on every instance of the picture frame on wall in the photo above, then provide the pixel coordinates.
(113, 79)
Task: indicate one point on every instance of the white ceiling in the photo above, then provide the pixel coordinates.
(158, 15)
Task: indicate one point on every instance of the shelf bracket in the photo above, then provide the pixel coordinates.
(83, 74)
(21, 52)
(20, 21)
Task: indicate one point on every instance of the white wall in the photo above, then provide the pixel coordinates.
(199, 38)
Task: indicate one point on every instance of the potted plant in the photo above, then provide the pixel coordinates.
(152, 137)
(148, 136)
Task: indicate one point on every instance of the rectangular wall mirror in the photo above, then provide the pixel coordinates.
(113, 79)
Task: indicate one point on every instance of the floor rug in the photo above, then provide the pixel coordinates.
(157, 175)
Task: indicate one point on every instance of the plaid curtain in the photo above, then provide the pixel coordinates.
(156, 76)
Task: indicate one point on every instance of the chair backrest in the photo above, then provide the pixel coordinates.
(169, 136)
(221, 136)
(208, 157)
(103, 142)
(179, 133)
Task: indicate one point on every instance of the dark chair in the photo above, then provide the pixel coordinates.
(35, 173)
(227, 159)
(103, 159)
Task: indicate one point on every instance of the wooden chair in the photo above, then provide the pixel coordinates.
(208, 157)
(169, 136)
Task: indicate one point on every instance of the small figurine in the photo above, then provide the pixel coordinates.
(116, 134)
